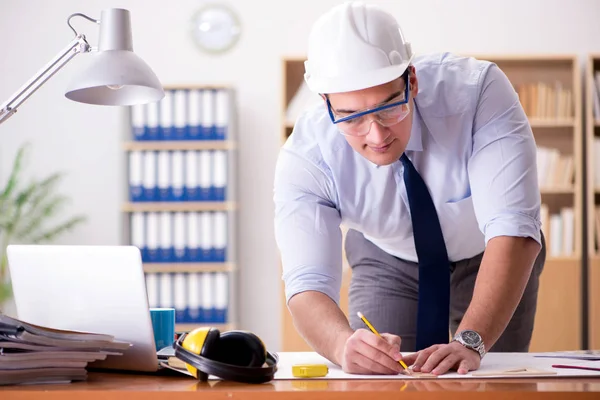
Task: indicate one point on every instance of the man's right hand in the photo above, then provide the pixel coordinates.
(365, 353)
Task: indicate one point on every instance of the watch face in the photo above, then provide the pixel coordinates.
(471, 338)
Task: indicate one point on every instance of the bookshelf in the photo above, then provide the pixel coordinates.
(292, 81)
(592, 118)
(180, 204)
(549, 89)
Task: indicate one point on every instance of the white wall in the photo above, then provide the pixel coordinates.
(85, 140)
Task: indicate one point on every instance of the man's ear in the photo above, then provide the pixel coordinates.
(323, 97)
(414, 82)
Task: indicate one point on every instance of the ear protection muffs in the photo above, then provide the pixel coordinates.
(233, 355)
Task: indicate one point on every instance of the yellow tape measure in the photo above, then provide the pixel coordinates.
(309, 370)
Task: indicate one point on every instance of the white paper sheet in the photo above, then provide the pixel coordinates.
(491, 363)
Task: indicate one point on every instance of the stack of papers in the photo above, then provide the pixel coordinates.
(36, 354)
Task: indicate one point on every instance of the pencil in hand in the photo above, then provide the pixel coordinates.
(364, 319)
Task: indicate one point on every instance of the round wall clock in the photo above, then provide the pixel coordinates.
(215, 28)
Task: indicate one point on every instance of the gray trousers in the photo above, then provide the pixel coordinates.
(385, 289)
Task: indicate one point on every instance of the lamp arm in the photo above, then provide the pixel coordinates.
(76, 46)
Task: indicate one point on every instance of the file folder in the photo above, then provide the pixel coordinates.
(205, 175)
(164, 176)
(206, 236)
(193, 237)
(207, 297)
(152, 237)
(180, 297)
(138, 237)
(166, 238)
(194, 298)
(219, 175)
(194, 115)
(220, 236)
(221, 114)
(136, 161)
(178, 175)
(192, 190)
(167, 130)
(180, 107)
(149, 182)
(138, 119)
(165, 297)
(221, 297)
(208, 114)
(152, 121)
(179, 237)
(152, 289)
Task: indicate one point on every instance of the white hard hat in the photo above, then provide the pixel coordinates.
(355, 46)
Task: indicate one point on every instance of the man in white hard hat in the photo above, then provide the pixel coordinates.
(431, 164)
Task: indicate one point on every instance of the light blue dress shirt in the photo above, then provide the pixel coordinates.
(470, 141)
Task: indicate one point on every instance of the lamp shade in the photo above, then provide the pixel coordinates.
(116, 75)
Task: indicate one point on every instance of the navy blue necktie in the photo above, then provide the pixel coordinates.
(433, 311)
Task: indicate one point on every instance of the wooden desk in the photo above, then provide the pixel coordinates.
(102, 385)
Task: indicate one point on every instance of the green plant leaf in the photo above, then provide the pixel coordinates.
(22, 198)
(14, 175)
(26, 210)
(34, 218)
(57, 230)
(5, 292)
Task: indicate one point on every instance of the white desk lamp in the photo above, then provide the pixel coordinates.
(115, 77)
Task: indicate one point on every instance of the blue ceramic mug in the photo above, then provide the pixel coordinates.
(163, 325)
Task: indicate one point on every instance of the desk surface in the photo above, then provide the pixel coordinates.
(106, 385)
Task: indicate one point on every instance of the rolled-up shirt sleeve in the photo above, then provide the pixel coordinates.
(502, 167)
(307, 226)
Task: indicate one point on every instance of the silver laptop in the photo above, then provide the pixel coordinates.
(87, 288)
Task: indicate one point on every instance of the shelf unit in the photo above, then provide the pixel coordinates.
(179, 206)
(293, 77)
(189, 267)
(543, 81)
(592, 81)
(560, 287)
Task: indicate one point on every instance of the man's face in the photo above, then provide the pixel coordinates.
(382, 145)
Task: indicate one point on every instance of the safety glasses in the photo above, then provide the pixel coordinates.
(388, 114)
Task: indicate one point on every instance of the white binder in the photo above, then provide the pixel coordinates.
(205, 175)
(152, 237)
(221, 114)
(193, 298)
(164, 176)
(178, 175)
(149, 176)
(179, 237)
(180, 297)
(206, 236)
(194, 114)
(192, 191)
(137, 227)
(166, 237)
(192, 237)
(208, 114)
(166, 116)
(219, 175)
(136, 162)
(180, 110)
(138, 118)
(152, 121)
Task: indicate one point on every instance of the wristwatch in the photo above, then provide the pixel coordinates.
(471, 340)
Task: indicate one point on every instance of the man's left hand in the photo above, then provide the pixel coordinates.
(441, 358)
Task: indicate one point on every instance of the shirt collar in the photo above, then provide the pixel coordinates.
(415, 143)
